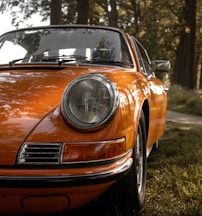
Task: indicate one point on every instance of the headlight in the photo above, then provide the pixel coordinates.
(89, 102)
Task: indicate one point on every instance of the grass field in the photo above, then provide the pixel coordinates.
(174, 181)
(184, 100)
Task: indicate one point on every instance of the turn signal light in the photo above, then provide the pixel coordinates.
(93, 151)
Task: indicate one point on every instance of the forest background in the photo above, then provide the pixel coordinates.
(168, 29)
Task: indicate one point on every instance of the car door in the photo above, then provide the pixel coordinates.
(157, 97)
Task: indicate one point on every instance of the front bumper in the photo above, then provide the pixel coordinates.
(51, 193)
(67, 176)
(67, 180)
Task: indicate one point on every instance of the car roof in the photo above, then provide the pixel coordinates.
(69, 26)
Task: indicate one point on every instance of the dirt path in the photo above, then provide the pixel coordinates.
(184, 118)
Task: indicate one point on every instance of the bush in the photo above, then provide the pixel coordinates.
(183, 100)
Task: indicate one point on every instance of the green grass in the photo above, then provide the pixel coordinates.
(174, 181)
(183, 100)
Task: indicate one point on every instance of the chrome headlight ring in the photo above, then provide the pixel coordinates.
(89, 102)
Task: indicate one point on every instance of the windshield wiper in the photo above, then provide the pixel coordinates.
(59, 58)
(11, 63)
(111, 62)
(64, 58)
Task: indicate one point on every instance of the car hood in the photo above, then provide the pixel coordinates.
(27, 95)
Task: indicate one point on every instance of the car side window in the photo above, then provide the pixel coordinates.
(143, 57)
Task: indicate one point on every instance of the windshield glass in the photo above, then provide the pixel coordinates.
(54, 44)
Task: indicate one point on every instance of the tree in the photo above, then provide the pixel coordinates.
(112, 13)
(185, 71)
(168, 29)
(56, 14)
(198, 47)
(110, 9)
(83, 10)
(136, 14)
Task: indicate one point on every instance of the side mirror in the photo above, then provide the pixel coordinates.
(160, 65)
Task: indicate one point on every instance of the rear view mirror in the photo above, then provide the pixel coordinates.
(160, 65)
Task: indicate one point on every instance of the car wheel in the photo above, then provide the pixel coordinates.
(126, 197)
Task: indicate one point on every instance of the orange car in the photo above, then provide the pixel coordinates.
(80, 109)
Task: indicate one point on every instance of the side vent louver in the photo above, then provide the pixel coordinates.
(39, 154)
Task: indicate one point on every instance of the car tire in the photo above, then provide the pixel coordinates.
(126, 197)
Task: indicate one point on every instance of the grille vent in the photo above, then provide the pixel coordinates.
(39, 154)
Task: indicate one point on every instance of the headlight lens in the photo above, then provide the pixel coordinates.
(89, 102)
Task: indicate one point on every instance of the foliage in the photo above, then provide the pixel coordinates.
(157, 24)
(26, 8)
(174, 173)
(184, 100)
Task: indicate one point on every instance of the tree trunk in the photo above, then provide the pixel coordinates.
(136, 12)
(185, 71)
(200, 76)
(83, 11)
(112, 13)
(56, 14)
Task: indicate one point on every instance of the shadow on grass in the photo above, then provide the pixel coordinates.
(174, 173)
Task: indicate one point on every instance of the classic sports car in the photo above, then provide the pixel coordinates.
(80, 109)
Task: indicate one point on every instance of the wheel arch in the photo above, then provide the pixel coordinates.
(145, 109)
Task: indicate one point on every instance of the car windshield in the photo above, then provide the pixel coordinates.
(65, 45)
